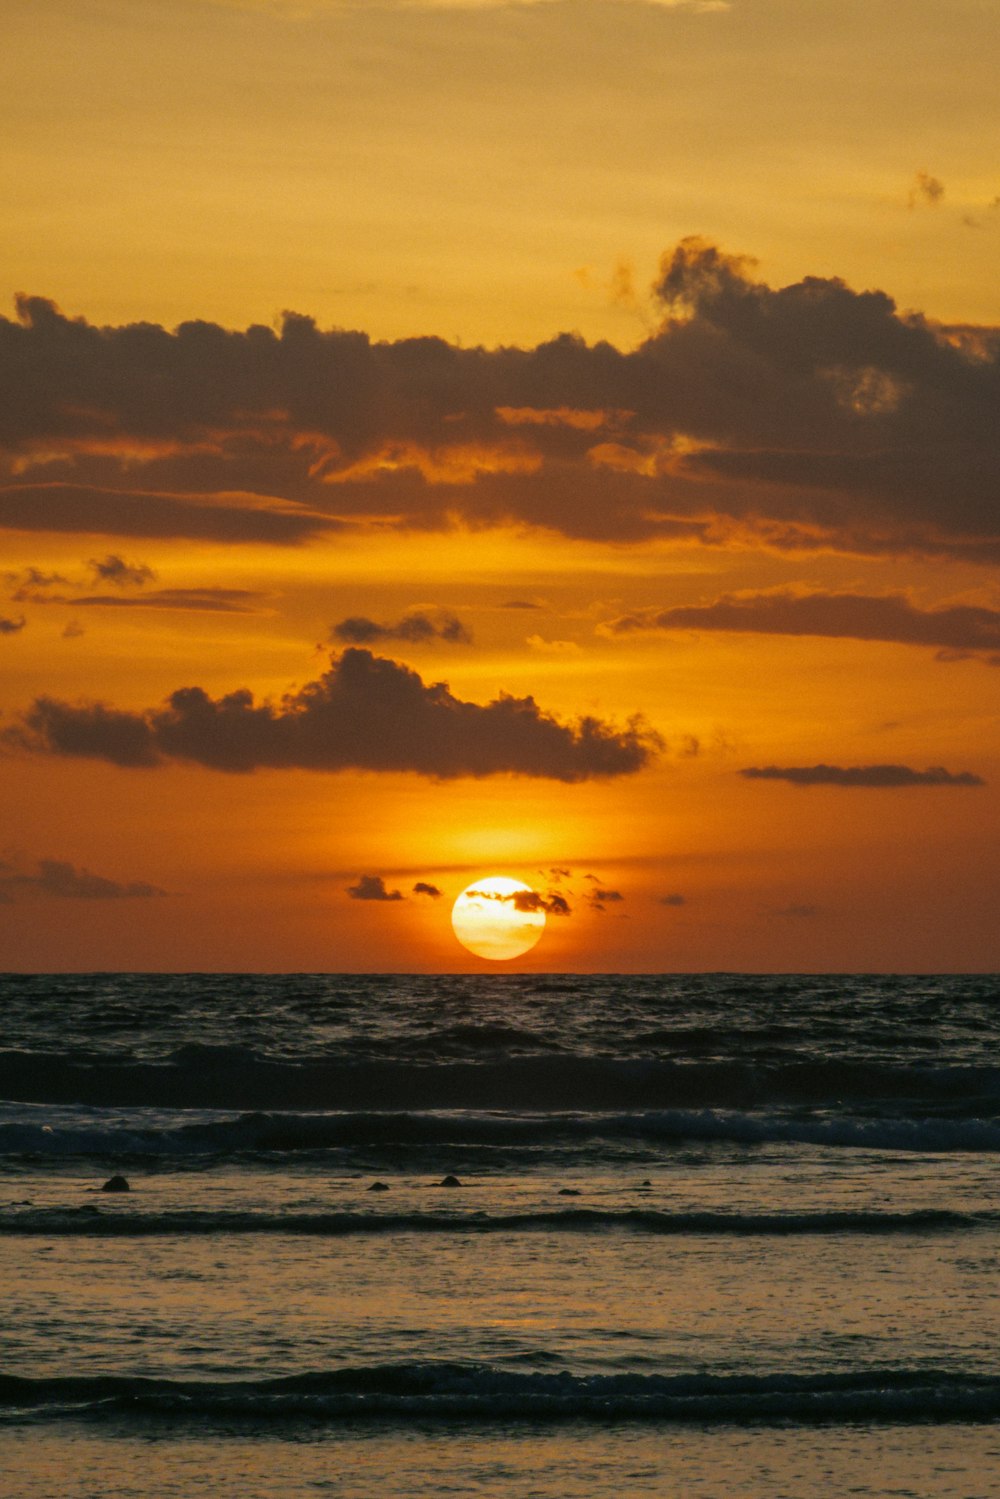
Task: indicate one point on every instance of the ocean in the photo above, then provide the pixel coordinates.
(558, 1236)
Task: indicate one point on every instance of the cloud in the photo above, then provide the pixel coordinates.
(365, 713)
(423, 888)
(600, 899)
(416, 627)
(34, 586)
(888, 617)
(68, 507)
(528, 901)
(114, 569)
(926, 189)
(882, 776)
(60, 879)
(672, 900)
(11, 626)
(796, 418)
(212, 600)
(73, 630)
(553, 647)
(372, 887)
(26, 584)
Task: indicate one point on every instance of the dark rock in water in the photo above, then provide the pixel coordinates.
(449, 1181)
(567, 1192)
(116, 1184)
(379, 1187)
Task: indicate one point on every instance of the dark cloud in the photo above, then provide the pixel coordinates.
(58, 878)
(416, 627)
(212, 600)
(926, 189)
(90, 731)
(372, 887)
(797, 417)
(11, 626)
(423, 888)
(114, 512)
(527, 901)
(365, 713)
(600, 899)
(889, 617)
(861, 775)
(29, 583)
(672, 900)
(114, 569)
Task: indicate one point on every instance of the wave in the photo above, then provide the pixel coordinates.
(450, 1392)
(279, 1134)
(237, 1077)
(93, 1222)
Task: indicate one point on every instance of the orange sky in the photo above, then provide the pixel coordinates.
(641, 386)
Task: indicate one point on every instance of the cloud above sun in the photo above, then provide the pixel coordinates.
(365, 713)
(801, 418)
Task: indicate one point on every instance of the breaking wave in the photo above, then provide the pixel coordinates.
(93, 1222)
(447, 1392)
(267, 1134)
(235, 1077)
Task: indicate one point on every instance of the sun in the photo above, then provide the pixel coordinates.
(498, 918)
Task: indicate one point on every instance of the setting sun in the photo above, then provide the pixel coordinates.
(498, 918)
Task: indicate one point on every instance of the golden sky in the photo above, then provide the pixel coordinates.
(556, 440)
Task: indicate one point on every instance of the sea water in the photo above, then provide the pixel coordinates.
(704, 1236)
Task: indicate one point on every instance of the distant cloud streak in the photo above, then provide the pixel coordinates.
(888, 617)
(416, 627)
(879, 776)
(62, 880)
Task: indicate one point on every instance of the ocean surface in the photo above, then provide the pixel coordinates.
(700, 1236)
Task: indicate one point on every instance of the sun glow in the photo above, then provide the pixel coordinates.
(498, 918)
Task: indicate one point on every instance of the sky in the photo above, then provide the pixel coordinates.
(555, 440)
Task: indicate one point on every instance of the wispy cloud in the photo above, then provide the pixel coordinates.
(114, 569)
(878, 776)
(857, 616)
(64, 881)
